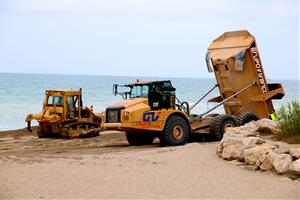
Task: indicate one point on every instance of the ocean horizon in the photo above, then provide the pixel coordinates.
(21, 94)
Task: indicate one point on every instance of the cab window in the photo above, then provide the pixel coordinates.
(73, 106)
(56, 100)
(167, 86)
(139, 91)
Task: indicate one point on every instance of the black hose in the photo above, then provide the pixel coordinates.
(185, 107)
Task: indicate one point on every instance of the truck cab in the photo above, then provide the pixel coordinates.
(148, 95)
(144, 111)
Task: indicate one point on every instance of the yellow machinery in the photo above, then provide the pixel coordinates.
(150, 109)
(236, 63)
(64, 116)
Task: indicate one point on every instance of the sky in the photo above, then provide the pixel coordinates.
(160, 38)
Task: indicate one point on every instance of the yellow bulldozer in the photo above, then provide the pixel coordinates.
(150, 108)
(63, 115)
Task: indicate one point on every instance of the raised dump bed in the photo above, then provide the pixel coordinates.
(234, 58)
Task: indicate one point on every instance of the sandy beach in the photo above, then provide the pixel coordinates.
(106, 167)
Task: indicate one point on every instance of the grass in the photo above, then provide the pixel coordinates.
(293, 176)
(289, 125)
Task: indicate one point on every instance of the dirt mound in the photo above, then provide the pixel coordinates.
(22, 143)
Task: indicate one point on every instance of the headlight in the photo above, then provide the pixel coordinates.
(125, 116)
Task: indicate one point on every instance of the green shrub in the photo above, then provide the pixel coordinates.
(289, 125)
(293, 176)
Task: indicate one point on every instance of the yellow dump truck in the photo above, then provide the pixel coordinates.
(63, 115)
(150, 108)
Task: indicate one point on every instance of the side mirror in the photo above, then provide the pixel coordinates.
(208, 60)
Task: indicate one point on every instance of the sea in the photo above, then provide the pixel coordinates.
(21, 94)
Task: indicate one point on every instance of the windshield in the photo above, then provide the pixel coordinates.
(139, 91)
(55, 100)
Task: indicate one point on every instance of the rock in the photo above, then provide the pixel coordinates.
(281, 147)
(232, 131)
(230, 151)
(233, 135)
(248, 143)
(242, 143)
(228, 140)
(264, 161)
(267, 123)
(232, 148)
(281, 162)
(244, 131)
(254, 128)
(249, 127)
(294, 152)
(295, 167)
(251, 167)
(240, 152)
(252, 141)
(252, 155)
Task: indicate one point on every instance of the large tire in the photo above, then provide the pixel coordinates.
(176, 132)
(246, 117)
(220, 123)
(136, 139)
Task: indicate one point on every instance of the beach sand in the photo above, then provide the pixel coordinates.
(106, 167)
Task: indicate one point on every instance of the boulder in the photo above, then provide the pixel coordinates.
(240, 151)
(294, 152)
(252, 155)
(230, 151)
(252, 141)
(232, 135)
(231, 130)
(247, 143)
(295, 167)
(248, 129)
(228, 140)
(244, 144)
(267, 123)
(264, 161)
(250, 167)
(281, 147)
(281, 162)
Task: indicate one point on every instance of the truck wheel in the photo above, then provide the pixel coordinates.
(220, 123)
(137, 139)
(176, 132)
(246, 117)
